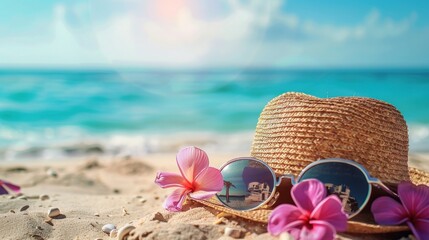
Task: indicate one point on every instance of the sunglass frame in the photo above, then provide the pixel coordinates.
(277, 180)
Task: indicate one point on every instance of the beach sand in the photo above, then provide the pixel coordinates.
(93, 192)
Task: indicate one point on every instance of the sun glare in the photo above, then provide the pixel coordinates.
(169, 10)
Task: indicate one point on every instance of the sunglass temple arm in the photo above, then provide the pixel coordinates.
(381, 185)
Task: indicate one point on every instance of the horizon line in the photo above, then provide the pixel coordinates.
(106, 69)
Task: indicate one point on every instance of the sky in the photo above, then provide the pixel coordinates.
(214, 34)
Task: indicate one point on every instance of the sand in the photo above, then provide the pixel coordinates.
(93, 192)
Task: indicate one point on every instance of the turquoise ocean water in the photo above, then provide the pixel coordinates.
(51, 114)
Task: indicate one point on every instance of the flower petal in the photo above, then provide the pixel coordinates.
(175, 201)
(423, 213)
(166, 180)
(420, 228)
(281, 216)
(308, 193)
(331, 211)
(192, 161)
(207, 184)
(413, 197)
(200, 195)
(387, 211)
(320, 230)
(11, 186)
(3, 190)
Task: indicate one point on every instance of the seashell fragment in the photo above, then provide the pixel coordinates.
(233, 232)
(113, 233)
(53, 212)
(124, 231)
(108, 228)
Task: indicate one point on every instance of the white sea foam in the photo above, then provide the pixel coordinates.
(70, 142)
(419, 138)
(122, 145)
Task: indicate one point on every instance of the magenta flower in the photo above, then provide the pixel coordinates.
(197, 179)
(315, 216)
(7, 185)
(414, 209)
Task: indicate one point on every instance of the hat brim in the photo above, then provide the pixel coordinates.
(261, 215)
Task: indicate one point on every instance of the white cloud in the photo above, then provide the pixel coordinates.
(185, 39)
(371, 27)
(244, 33)
(59, 47)
(242, 37)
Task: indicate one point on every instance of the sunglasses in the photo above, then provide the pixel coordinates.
(250, 183)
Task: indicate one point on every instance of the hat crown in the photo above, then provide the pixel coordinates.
(295, 129)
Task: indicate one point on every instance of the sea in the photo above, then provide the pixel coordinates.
(60, 114)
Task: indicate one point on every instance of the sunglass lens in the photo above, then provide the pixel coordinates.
(345, 180)
(247, 184)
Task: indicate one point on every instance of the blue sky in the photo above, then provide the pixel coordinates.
(205, 33)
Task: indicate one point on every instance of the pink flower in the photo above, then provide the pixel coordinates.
(7, 185)
(197, 179)
(315, 216)
(414, 209)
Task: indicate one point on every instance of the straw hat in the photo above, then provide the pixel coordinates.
(296, 129)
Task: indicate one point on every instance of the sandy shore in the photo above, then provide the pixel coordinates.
(93, 192)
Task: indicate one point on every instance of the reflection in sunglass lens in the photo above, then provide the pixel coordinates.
(346, 181)
(247, 184)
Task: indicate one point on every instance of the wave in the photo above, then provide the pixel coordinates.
(126, 145)
(73, 142)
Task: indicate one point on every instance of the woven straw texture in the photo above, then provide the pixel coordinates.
(295, 129)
